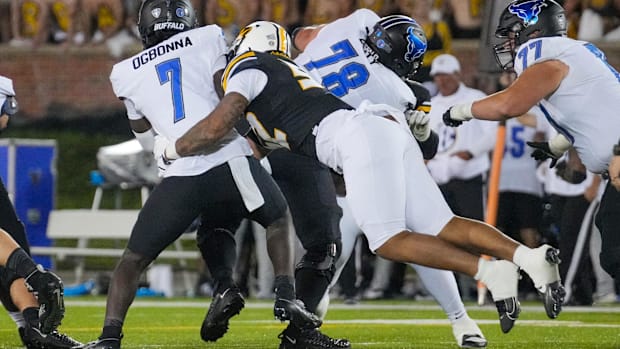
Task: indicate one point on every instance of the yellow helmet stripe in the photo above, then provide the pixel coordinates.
(283, 40)
(232, 64)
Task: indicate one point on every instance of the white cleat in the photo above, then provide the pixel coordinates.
(468, 334)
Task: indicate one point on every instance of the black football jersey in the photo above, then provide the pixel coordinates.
(290, 105)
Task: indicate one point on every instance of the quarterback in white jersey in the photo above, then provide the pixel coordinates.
(576, 89)
(340, 58)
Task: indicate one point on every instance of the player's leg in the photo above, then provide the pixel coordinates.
(272, 214)
(608, 221)
(310, 193)
(441, 284)
(350, 232)
(171, 207)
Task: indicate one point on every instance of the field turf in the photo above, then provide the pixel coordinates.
(162, 323)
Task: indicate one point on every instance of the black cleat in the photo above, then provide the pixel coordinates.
(49, 290)
(102, 343)
(508, 310)
(294, 338)
(223, 307)
(296, 312)
(553, 297)
(33, 338)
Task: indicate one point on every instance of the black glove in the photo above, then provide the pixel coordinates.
(422, 95)
(447, 119)
(542, 152)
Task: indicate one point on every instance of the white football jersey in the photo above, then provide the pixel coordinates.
(518, 173)
(588, 99)
(336, 58)
(171, 85)
(475, 136)
(6, 89)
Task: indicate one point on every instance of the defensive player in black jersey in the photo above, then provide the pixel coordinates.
(391, 194)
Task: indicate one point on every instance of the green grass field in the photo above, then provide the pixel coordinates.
(158, 323)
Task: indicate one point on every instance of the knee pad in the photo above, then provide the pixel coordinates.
(321, 259)
(610, 261)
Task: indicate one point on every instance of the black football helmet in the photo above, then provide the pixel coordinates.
(399, 43)
(160, 19)
(523, 20)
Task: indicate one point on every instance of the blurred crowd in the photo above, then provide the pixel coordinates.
(31, 23)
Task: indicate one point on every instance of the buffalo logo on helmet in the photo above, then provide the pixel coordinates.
(527, 11)
(182, 12)
(415, 47)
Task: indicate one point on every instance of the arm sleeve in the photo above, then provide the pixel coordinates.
(249, 83)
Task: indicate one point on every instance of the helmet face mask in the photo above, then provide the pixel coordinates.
(399, 43)
(523, 20)
(160, 19)
(261, 36)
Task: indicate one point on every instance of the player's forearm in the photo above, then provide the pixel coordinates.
(213, 128)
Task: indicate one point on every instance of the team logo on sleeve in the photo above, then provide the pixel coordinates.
(527, 11)
(415, 47)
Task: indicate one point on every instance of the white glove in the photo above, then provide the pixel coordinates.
(419, 124)
(455, 115)
(161, 153)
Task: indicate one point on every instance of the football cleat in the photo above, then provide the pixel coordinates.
(553, 296)
(508, 310)
(295, 311)
(294, 338)
(468, 334)
(547, 281)
(102, 343)
(223, 307)
(49, 290)
(33, 338)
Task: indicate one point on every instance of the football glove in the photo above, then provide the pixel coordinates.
(456, 114)
(553, 149)
(161, 144)
(419, 124)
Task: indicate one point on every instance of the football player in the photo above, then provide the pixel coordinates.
(36, 317)
(345, 56)
(167, 88)
(391, 194)
(577, 90)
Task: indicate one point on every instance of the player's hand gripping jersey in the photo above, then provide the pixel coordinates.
(595, 82)
(161, 84)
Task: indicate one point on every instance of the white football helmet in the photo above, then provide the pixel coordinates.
(261, 36)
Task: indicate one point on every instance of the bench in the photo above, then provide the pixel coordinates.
(84, 225)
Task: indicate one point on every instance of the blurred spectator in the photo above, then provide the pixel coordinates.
(283, 12)
(437, 32)
(464, 17)
(572, 9)
(380, 7)
(35, 22)
(325, 11)
(232, 15)
(5, 21)
(600, 21)
(101, 19)
(462, 159)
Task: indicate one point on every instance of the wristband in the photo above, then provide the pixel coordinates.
(616, 150)
(170, 153)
